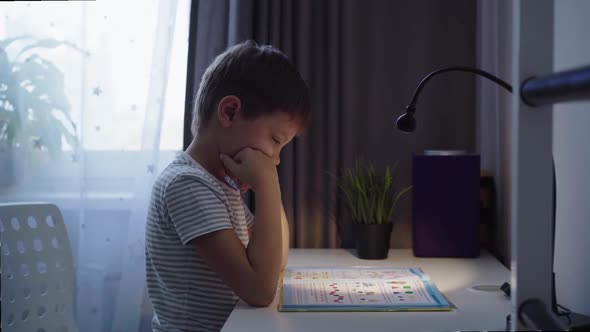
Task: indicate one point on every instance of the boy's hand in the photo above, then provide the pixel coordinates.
(252, 167)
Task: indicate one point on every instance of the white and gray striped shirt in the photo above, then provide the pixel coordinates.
(188, 202)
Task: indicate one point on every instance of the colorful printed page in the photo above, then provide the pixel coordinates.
(359, 289)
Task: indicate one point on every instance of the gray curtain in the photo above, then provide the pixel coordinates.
(362, 61)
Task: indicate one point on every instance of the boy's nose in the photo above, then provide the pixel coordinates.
(277, 160)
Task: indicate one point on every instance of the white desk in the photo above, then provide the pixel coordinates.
(476, 310)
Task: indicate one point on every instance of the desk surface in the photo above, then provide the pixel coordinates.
(476, 310)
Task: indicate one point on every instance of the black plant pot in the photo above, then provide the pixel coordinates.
(372, 240)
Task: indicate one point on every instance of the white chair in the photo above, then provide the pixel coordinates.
(37, 269)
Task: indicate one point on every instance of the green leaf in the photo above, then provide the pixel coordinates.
(10, 126)
(49, 43)
(369, 195)
(43, 76)
(388, 179)
(72, 139)
(5, 42)
(398, 196)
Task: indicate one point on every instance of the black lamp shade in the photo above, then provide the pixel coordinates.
(406, 122)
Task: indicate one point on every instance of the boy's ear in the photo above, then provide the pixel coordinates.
(227, 110)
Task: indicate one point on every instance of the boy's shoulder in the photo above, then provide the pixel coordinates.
(183, 172)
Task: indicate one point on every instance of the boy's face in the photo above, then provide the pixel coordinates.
(267, 133)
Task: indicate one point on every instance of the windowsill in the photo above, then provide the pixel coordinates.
(108, 180)
(71, 200)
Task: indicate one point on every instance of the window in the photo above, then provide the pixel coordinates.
(113, 93)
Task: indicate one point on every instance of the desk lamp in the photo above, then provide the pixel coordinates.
(558, 87)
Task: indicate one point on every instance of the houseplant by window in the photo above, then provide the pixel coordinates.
(372, 201)
(34, 109)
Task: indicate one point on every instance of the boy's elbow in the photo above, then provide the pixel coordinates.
(261, 302)
(263, 297)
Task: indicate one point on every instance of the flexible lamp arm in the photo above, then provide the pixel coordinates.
(407, 123)
(412, 105)
(558, 87)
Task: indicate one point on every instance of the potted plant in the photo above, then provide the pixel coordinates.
(34, 109)
(372, 200)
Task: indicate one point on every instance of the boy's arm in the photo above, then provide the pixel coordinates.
(252, 272)
(285, 233)
(285, 236)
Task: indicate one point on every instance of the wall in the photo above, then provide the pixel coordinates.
(572, 161)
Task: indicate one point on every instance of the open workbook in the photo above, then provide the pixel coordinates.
(359, 289)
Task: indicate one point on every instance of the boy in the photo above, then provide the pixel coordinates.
(203, 249)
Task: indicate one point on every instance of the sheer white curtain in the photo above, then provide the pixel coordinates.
(91, 110)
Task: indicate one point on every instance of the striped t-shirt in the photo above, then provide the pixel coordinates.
(188, 202)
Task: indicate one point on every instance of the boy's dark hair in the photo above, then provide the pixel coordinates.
(264, 79)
